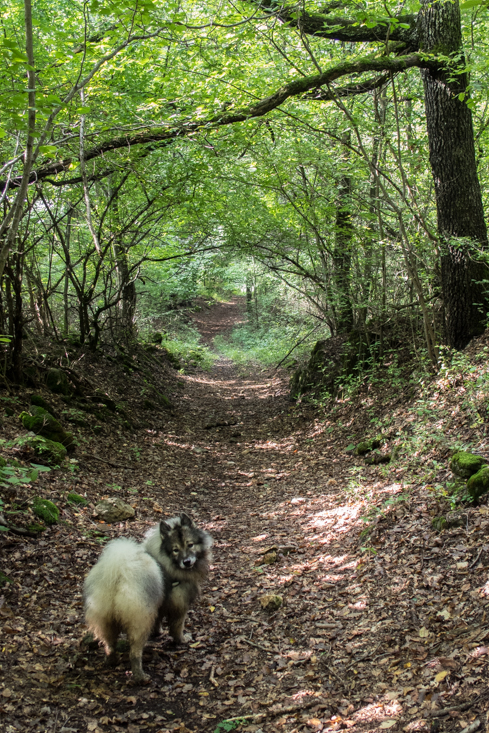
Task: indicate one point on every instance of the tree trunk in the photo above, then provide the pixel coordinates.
(342, 251)
(461, 224)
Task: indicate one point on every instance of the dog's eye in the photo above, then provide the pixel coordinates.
(175, 550)
(190, 545)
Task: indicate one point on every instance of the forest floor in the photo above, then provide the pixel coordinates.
(383, 621)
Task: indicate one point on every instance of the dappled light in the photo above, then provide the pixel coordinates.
(333, 601)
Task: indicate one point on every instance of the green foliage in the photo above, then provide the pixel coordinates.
(184, 348)
(264, 345)
(225, 726)
(20, 474)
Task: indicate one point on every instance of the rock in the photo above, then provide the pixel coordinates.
(465, 464)
(41, 422)
(478, 484)
(271, 602)
(57, 382)
(270, 558)
(45, 510)
(114, 510)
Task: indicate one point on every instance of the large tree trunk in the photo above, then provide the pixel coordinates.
(461, 224)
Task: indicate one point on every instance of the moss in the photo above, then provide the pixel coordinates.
(45, 510)
(3, 462)
(478, 484)
(41, 402)
(465, 464)
(76, 499)
(36, 527)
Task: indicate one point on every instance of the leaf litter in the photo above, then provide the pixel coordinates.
(379, 621)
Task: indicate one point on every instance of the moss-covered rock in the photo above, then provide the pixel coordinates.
(41, 422)
(478, 484)
(48, 452)
(465, 464)
(45, 510)
(57, 382)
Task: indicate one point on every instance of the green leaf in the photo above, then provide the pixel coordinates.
(47, 149)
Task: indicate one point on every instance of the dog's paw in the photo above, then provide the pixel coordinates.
(141, 678)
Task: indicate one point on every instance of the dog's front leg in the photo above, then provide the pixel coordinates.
(176, 612)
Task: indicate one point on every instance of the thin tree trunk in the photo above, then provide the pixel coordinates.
(342, 250)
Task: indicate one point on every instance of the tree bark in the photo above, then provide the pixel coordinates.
(342, 250)
(461, 223)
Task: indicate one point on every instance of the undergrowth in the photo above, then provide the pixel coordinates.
(266, 344)
(425, 418)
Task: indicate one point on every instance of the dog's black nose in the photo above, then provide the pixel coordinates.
(188, 562)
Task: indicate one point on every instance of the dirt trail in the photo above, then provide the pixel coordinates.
(353, 644)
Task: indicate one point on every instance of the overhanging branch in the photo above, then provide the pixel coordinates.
(297, 88)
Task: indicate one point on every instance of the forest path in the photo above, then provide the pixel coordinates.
(267, 479)
(368, 632)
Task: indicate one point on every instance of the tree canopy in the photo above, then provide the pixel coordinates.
(303, 136)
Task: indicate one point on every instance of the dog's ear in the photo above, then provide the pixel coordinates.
(185, 520)
(165, 529)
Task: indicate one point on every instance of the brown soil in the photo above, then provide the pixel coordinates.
(367, 638)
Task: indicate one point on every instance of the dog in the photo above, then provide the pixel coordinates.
(134, 586)
(184, 553)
